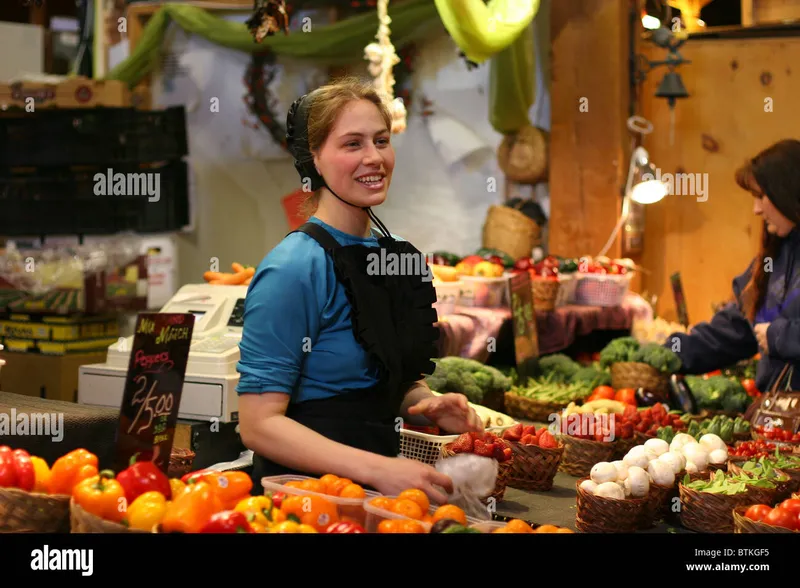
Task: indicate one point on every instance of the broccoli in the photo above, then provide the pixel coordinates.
(718, 393)
(558, 367)
(618, 350)
(468, 377)
(657, 356)
(592, 376)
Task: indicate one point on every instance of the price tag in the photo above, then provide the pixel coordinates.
(153, 387)
(680, 300)
(523, 316)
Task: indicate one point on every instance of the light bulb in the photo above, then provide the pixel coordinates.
(649, 191)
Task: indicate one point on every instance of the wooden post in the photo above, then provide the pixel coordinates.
(589, 148)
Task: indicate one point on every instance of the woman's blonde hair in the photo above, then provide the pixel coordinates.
(324, 106)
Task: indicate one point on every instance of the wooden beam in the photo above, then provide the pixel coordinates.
(589, 148)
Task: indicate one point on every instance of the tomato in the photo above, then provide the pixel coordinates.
(780, 517)
(714, 373)
(757, 512)
(792, 505)
(626, 396)
(749, 386)
(604, 392)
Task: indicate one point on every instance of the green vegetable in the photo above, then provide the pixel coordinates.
(664, 360)
(714, 429)
(726, 432)
(466, 376)
(693, 429)
(719, 483)
(592, 376)
(718, 393)
(549, 390)
(559, 367)
(666, 433)
(618, 350)
(741, 426)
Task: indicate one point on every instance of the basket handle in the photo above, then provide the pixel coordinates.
(786, 373)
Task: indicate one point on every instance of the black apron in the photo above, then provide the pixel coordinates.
(394, 321)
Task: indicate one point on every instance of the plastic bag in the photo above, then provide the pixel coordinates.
(474, 478)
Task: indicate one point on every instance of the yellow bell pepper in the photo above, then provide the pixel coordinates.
(261, 510)
(286, 527)
(176, 487)
(41, 472)
(146, 511)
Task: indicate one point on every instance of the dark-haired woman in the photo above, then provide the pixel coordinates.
(765, 316)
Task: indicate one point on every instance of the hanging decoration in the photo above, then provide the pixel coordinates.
(270, 17)
(259, 100)
(383, 58)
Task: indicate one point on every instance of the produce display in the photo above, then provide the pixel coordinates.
(777, 434)
(731, 484)
(551, 391)
(718, 392)
(628, 349)
(757, 448)
(239, 276)
(529, 435)
(785, 514)
(725, 427)
(648, 421)
(469, 377)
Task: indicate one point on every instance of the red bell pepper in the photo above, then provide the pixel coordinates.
(196, 476)
(16, 469)
(228, 521)
(141, 477)
(345, 527)
(277, 499)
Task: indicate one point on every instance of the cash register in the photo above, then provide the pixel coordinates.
(209, 390)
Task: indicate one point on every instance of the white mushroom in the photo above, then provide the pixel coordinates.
(673, 460)
(697, 455)
(658, 446)
(588, 486)
(710, 442)
(718, 456)
(661, 473)
(603, 472)
(622, 470)
(637, 482)
(610, 490)
(680, 440)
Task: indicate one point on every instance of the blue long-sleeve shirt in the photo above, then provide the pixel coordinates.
(729, 336)
(297, 336)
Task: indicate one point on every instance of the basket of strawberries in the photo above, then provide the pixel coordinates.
(486, 444)
(537, 455)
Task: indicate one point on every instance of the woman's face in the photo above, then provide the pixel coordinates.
(777, 224)
(357, 159)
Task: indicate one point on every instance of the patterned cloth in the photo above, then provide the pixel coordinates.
(467, 331)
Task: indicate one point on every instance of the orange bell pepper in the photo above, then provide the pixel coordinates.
(230, 487)
(70, 469)
(191, 510)
(102, 496)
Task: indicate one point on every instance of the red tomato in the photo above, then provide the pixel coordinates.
(749, 386)
(791, 504)
(757, 512)
(604, 392)
(626, 396)
(780, 517)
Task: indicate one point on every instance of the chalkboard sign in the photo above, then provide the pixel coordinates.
(680, 300)
(153, 387)
(523, 317)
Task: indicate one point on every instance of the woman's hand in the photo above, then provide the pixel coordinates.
(451, 412)
(761, 336)
(401, 473)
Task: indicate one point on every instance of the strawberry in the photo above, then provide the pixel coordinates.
(474, 435)
(507, 453)
(641, 427)
(514, 433)
(635, 419)
(463, 444)
(599, 436)
(528, 440)
(627, 431)
(484, 449)
(529, 430)
(498, 452)
(547, 441)
(630, 410)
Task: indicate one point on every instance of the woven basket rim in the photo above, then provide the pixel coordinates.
(760, 527)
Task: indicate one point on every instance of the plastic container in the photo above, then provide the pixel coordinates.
(601, 289)
(350, 508)
(422, 446)
(484, 292)
(375, 515)
(566, 293)
(448, 296)
(488, 526)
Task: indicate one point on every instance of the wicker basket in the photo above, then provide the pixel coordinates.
(744, 525)
(608, 515)
(534, 467)
(523, 155)
(632, 374)
(521, 407)
(180, 462)
(705, 512)
(85, 522)
(33, 512)
(580, 455)
(658, 503)
(510, 231)
(545, 293)
(779, 493)
(503, 470)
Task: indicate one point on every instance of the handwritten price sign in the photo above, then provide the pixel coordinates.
(526, 337)
(156, 371)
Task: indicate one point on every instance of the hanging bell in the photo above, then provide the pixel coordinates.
(672, 87)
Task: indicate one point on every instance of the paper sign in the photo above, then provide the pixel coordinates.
(153, 387)
(523, 316)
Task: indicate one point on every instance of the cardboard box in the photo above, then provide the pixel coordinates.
(77, 92)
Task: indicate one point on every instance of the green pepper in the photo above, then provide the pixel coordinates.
(726, 432)
(713, 429)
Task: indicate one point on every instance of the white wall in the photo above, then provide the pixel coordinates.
(240, 176)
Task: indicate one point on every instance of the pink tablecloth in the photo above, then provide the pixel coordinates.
(469, 332)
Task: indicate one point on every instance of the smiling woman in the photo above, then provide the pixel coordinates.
(334, 355)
